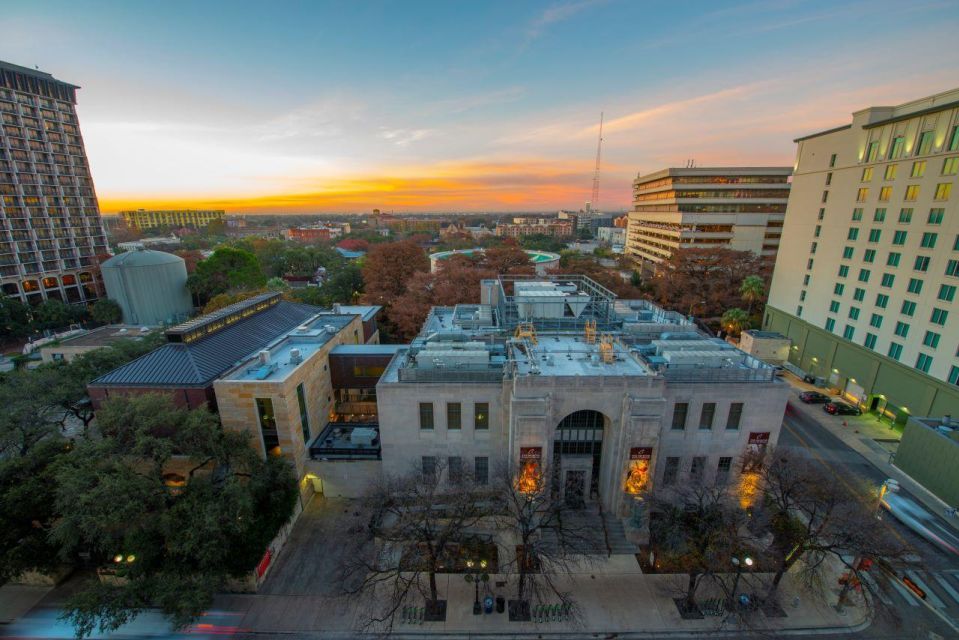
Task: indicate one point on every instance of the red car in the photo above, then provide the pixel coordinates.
(841, 409)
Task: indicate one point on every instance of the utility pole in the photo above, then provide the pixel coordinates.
(599, 152)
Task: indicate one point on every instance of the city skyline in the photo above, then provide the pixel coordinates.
(260, 111)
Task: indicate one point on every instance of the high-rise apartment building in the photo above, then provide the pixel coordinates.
(52, 232)
(866, 286)
(734, 207)
(147, 219)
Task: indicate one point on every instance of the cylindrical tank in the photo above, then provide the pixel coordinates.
(150, 286)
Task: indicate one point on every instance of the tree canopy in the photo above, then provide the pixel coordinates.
(226, 270)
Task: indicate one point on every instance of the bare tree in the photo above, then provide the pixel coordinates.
(415, 526)
(552, 537)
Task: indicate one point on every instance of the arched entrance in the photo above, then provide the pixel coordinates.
(577, 455)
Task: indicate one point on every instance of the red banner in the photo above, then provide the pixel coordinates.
(641, 453)
(264, 563)
(758, 437)
(530, 453)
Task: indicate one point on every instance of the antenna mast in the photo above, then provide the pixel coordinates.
(599, 151)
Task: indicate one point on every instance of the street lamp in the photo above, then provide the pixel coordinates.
(474, 575)
(748, 562)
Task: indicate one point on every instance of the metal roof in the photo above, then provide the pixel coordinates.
(199, 363)
(140, 258)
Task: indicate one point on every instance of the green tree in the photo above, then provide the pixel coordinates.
(179, 539)
(542, 242)
(14, 319)
(226, 270)
(753, 290)
(735, 321)
(277, 284)
(55, 314)
(106, 311)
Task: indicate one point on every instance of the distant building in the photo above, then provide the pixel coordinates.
(147, 219)
(408, 225)
(68, 349)
(738, 208)
(318, 232)
(170, 242)
(536, 226)
(615, 236)
(52, 231)
(477, 233)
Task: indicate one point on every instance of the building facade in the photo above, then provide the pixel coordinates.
(740, 208)
(865, 289)
(52, 232)
(147, 219)
(536, 226)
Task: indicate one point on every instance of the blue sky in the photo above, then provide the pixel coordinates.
(346, 106)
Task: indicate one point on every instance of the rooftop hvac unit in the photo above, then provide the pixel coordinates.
(263, 357)
(330, 328)
(303, 328)
(295, 356)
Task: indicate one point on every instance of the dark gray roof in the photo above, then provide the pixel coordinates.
(199, 363)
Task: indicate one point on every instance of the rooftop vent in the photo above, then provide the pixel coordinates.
(263, 357)
(330, 328)
(295, 356)
(303, 328)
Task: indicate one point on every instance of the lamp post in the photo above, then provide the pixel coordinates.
(475, 572)
(747, 561)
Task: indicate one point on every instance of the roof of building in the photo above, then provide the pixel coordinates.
(366, 349)
(346, 253)
(36, 73)
(103, 336)
(823, 133)
(140, 257)
(756, 333)
(367, 311)
(199, 362)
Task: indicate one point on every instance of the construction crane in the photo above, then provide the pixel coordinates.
(594, 203)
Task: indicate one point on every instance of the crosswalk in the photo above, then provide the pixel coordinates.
(941, 589)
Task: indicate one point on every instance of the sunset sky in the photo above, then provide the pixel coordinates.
(460, 106)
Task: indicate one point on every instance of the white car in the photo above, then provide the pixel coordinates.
(917, 518)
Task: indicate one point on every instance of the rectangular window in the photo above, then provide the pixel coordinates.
(722, 470)
(947, 292)
(912, 193)
(882, 300)
(918, 169)
(908, 308)
(817, 231)
(936, 216)
(706, 415)
(869, 255)
(887, 280)
(884, 194)
(866, 174)
(805, 280)
(857, 214)
(829, 178)
(847, 253)
(680, 409)
(939, 316)
(880, 214)
(931, 339)
(874, 235)
(671, 471)
(735, 416)
(928, 240)
(895, 350)
(902, 329)
(481, 415)
(863, 194)
(859, 294)
(954, 139)
(875, 320)
(854, 313)
(825, 196)
(899, 238)
(809, 263)
(426, 415)
(830, 324)
(891, 172)
(833, 306)
(428, 466)
(925, 143)
(697, 468)
(812, 248)
(864, 275)
(454, 415)
(954, 375)
(943, 190)
(892, 260)
(952, 268)
(481, 470)
(853, 233)
(921, 264)
(950, 166)
(304, 413)
(802, 295)
(872, 150)
(915, 286)
(905, 216)
(832, 160)
(271, 437)
(870, 341)
(843, 271)
(822, 213)
(923, 362)
(839, 288)
(895, 149)
(799, 311)
(848, 332)
(455, 469)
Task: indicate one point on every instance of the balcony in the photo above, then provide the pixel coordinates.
(347, 441)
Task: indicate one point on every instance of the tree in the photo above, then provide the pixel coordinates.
(228, 269)
(172, 531)
(542, 242)
(752, 290)
(696, 531)
(507, 259)
(55, 314)
(735, 321)
(106, 311)
(550, 538)
(387, 269)
(14, 319)
(277, 284)
(418, 524)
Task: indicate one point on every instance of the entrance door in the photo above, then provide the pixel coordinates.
(574, 489)
(578, 443)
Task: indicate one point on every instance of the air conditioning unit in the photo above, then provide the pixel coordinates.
(295, 356)
(263, 357)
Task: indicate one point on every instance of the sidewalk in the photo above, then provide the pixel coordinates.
(614, 596)
(864, 435)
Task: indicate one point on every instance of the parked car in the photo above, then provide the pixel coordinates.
(814, 397)
(841, 409)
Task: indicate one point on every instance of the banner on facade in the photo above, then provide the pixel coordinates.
(641, 453)
(758, 437)
(530, 453)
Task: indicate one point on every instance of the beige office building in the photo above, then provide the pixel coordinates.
(866, 286)
(736, 207)
(147, 219)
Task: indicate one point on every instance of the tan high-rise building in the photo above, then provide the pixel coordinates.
(147, 219)
(52, 232)
(739, 208)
